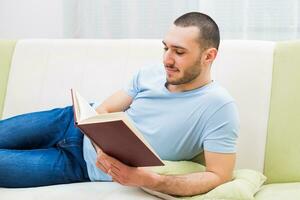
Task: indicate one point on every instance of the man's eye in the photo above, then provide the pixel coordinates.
(179, 52)
(165, 49)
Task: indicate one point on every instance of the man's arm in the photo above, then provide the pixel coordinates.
(117, 102)
(219, 168)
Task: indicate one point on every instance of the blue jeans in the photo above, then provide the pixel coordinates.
(41, 148)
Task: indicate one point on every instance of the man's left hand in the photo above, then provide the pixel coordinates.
(124, 174)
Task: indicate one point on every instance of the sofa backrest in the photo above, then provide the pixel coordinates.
(6, 51)
(282, 163)
(43, 71)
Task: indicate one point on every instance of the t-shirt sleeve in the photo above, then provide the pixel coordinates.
(132, 87)
(222, 129)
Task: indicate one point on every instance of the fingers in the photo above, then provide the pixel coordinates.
(112, 171)
(101, 166)
(110, 161)
(101, 163)
(115, 166)
(113, 174)
(116, 163)
(112, 167)
(115, 177)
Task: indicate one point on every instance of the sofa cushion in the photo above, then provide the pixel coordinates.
(78, 191)
(6, 51)
(244, 185)
(282, 191)
(282, 162)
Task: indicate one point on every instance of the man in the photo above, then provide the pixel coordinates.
(190, 48)
(178, 108)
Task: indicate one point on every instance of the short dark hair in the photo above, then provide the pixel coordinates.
(209, 31)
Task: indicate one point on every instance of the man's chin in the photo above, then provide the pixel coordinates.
(173, 82)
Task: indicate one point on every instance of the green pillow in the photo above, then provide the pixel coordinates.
(245, 183)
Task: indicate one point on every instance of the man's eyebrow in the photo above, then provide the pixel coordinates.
(174, 46)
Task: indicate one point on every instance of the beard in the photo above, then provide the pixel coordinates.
(188, 76)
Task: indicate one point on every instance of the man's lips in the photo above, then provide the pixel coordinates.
(171, 70)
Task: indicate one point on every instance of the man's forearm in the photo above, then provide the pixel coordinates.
(182, 185)
(101, 109)
(186, 185)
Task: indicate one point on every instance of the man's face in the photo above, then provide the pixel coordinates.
(182, 56)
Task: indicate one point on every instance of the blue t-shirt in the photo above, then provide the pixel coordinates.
(178, 125)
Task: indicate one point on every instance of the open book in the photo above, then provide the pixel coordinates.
(114, 133)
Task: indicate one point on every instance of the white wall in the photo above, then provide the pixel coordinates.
(31, 19)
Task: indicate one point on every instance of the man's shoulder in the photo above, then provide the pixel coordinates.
(219, 100)
(219, 95)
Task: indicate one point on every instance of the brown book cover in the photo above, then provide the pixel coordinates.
(114, 133)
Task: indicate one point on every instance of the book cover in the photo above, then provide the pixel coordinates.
(114, 133)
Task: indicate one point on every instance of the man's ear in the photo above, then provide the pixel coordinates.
(209, 55)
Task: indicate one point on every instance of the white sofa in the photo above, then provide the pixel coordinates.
(43, 71)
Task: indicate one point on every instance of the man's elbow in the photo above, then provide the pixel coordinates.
(224, 178)
(219, 179)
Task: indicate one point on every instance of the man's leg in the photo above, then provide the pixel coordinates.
(35, 130)
(44, 146)
(39, 167)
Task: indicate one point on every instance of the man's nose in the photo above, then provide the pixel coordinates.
(168, 59)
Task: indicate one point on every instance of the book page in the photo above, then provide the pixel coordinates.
(84, 109)
(105, 117)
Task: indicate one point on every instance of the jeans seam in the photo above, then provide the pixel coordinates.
(69, 142)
